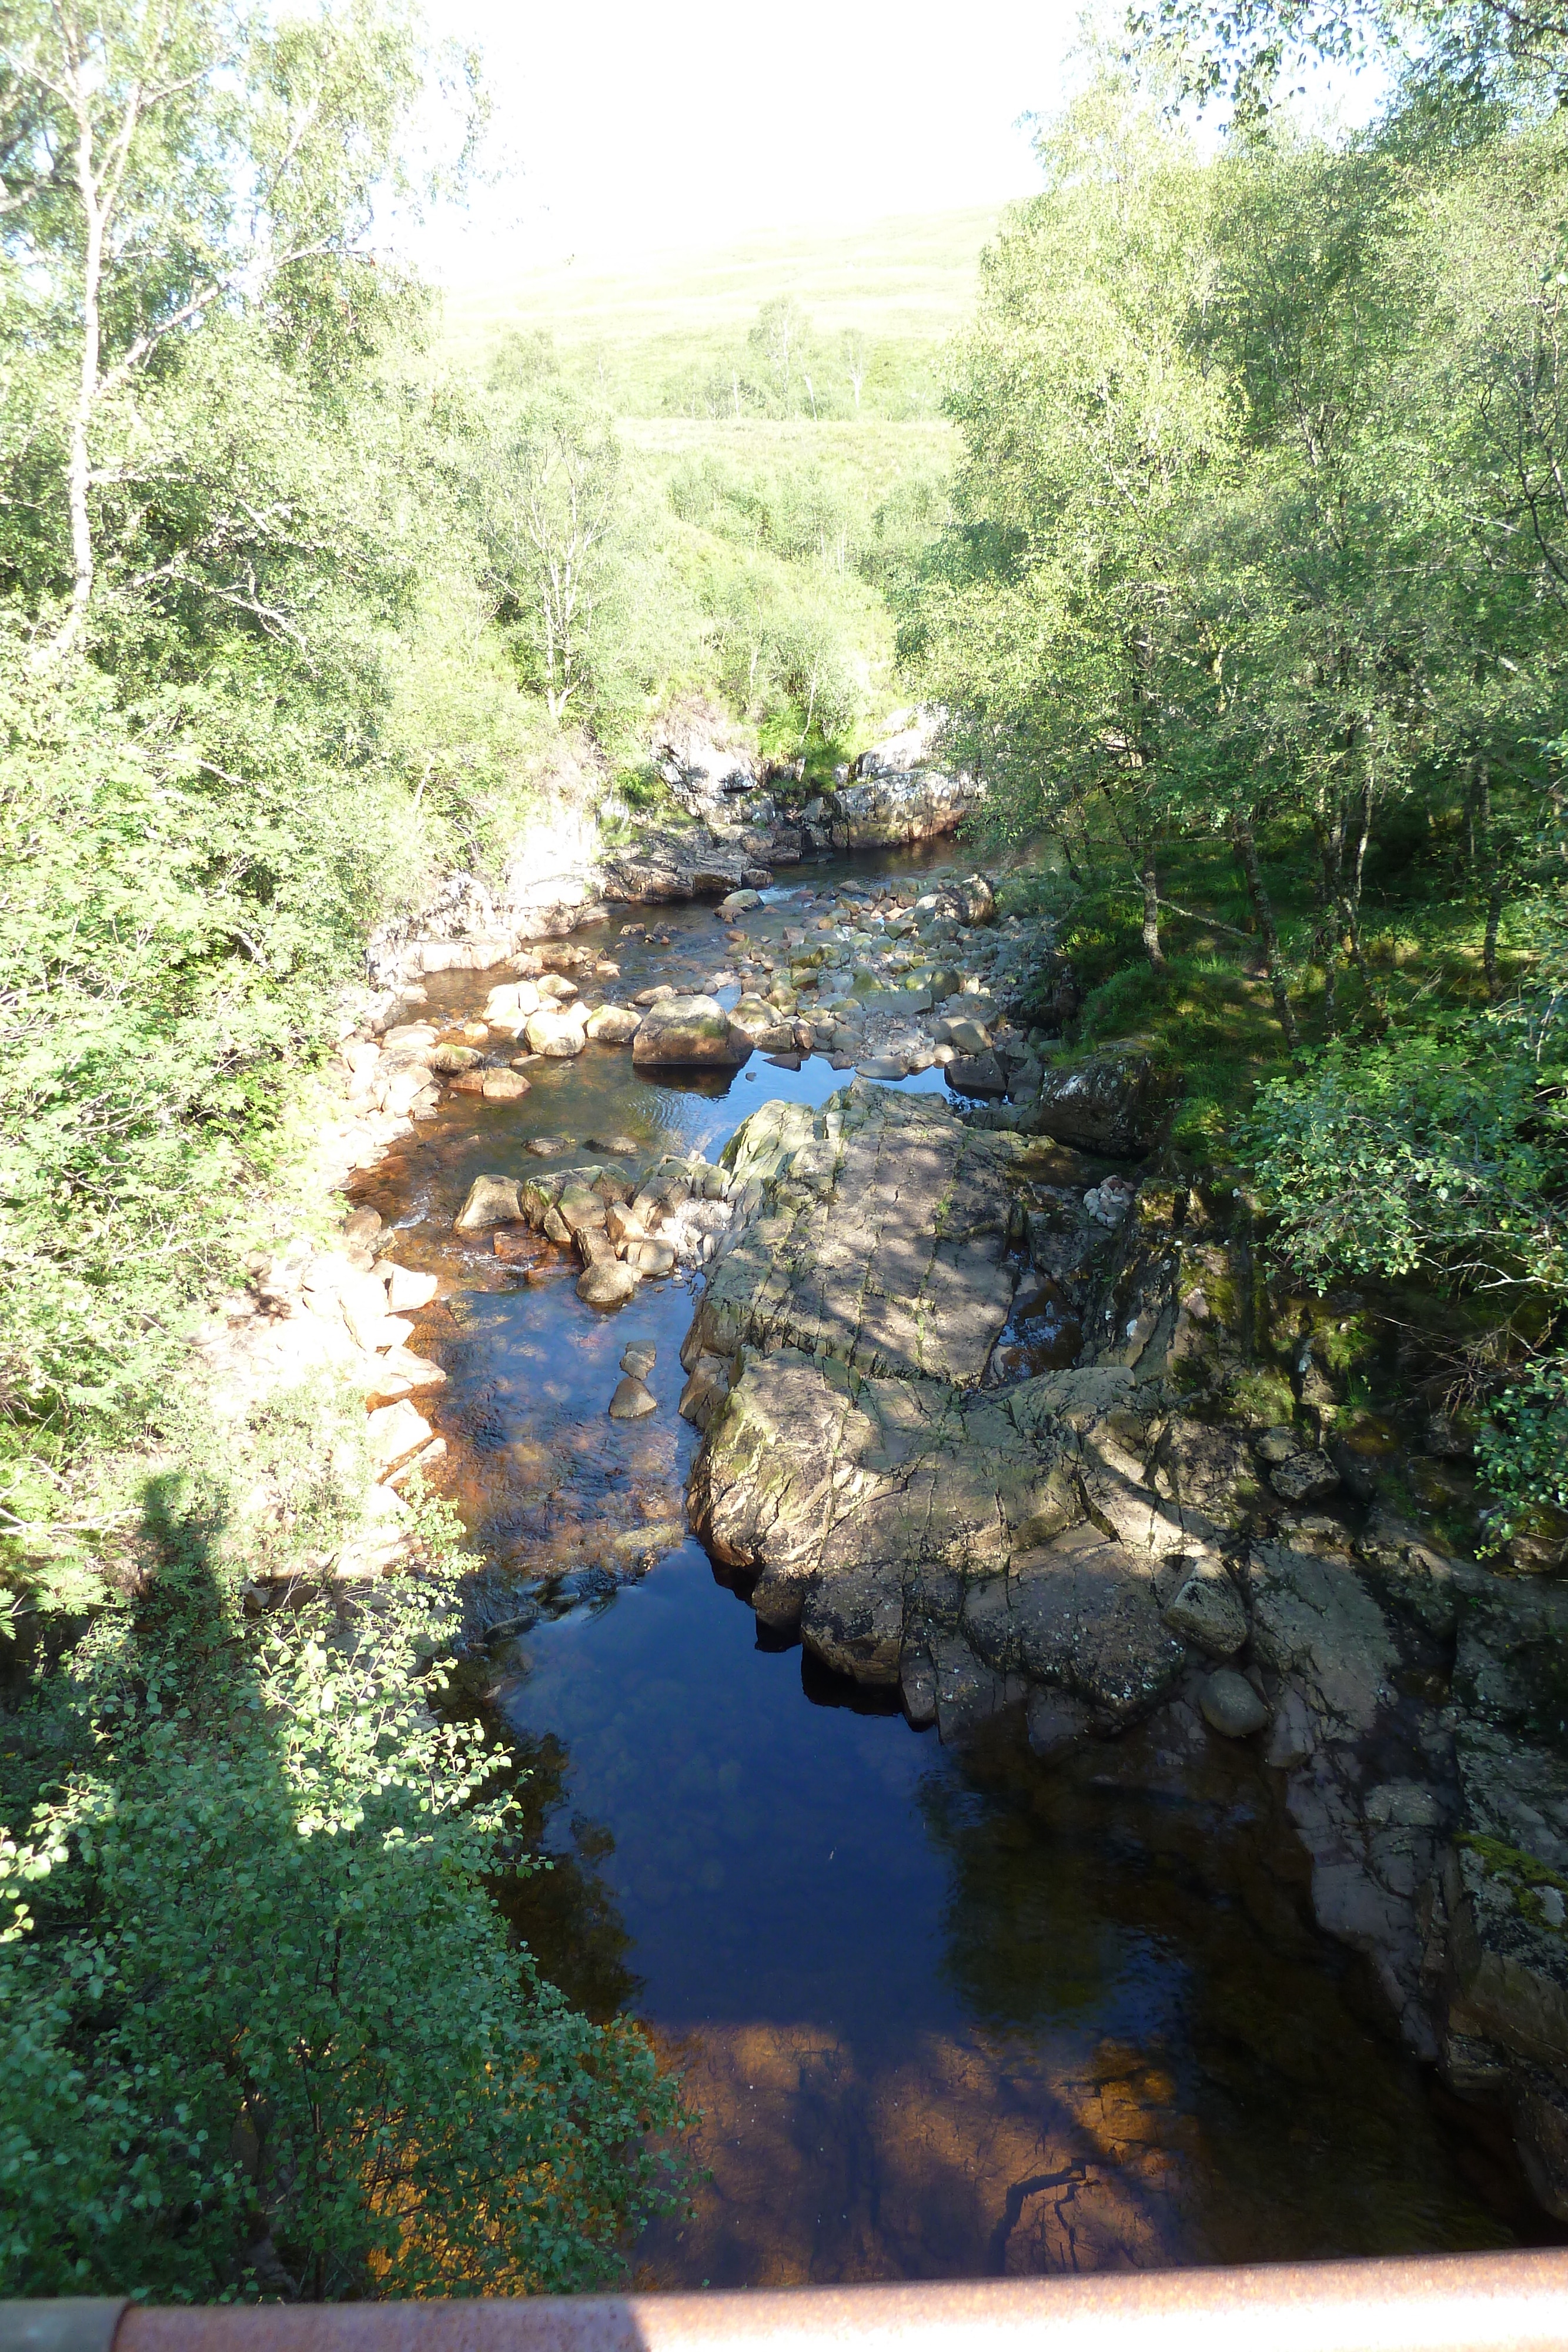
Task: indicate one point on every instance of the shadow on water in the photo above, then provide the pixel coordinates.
(944, 2014)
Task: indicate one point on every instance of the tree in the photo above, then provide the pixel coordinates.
(1059, 628)
(1443, 49)
(165, 160)
(780, 337)
(854, 344)
(549, 503)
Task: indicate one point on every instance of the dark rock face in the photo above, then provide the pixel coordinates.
(1084, 1546)
(1115, 1102)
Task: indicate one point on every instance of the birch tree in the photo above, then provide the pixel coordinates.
(163, 159)
(549, 506)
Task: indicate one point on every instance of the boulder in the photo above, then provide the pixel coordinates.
(395, 1431)
(1207, 1612)
(608, 1286)
(1231, 1705)
(613, 1025)
(408, 1290)
(976, 1074)
(1114, 1102)
(492, 1200)
(557, 1032)
(1304, 1477)
(686, 1031)
(504, 1086)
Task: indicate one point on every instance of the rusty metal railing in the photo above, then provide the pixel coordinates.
(1463, 2303)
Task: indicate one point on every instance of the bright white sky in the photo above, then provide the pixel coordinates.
(633, 124)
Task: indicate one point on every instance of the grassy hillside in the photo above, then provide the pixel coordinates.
(770, 497)
(650, 331)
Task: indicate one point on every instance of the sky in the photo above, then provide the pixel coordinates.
(628, 126)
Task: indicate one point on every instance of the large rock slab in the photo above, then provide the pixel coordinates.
(876, 1493)
(881, 1242)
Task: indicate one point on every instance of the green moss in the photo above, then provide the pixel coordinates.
(1522, 1874)
(1263, 1395)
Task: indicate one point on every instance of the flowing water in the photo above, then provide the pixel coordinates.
(943, 2014)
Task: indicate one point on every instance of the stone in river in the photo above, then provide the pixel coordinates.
(504, 1086)
(1230, 1704)
(659, 995)
(492, 1200)
(620, 1147)
(637, 1358)
(784, 1061)
(630, 1399)
(408, 1290)
(557, 1033)
(884, 1065)
(968, 1036)
(687, 1031)
(607, 1285)
(546, 1147)
(976, 1074)
(613, 1025)
(739, 902)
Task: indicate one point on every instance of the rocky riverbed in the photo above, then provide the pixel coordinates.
(972, 1394)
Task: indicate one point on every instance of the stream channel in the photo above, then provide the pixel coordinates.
(944, 2013)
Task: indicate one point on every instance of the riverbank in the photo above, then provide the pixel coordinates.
(581, 1518)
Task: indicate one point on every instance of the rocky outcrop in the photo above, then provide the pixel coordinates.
(703, 764)
(886, 810)
(888, 1467)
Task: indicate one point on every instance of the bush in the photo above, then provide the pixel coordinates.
(1422, 1153)
(262, 2030)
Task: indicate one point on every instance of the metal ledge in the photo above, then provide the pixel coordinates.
(1464, 2302)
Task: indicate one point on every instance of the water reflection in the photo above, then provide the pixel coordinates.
(918, 1995)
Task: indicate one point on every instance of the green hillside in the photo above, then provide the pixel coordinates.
(648, 330)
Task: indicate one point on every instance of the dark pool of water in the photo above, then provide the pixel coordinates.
(943, 2015)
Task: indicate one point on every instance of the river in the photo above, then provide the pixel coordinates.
(944, 2013)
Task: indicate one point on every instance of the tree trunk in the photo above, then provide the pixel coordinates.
(1245, 849)
(1494, 881)
(1149, 878)
(79, 461)
(1330, 841)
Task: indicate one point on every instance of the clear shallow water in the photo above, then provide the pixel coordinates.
(943, 2015)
